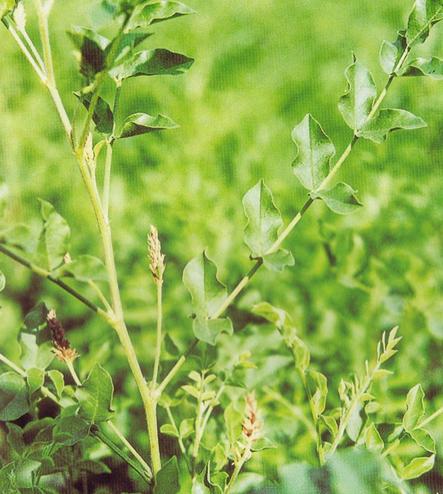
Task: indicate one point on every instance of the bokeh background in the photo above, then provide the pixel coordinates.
(260, 67)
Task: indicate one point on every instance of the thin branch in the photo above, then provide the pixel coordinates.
(46, 274)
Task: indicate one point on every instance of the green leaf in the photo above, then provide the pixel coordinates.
(25, 472)
(314, 153)
(423, 439)
(55, 235)
(341, 199)
(35, 379)
(95, 396)
(207, 293)
(128, 41)
(85, 268)
(389, 120)
(91, 46)
(373, 440)
(168, 479)
(70, 430)
(142, 123)
(424, 14)
(415, 408)
(390, 53)
(417, 467)
(102, 116)
(207, 330)
(2, 281)
(264, 219)
(151, 12)
(356, 104)
(58, 380)
(13, 396)
(278, 260)
(276, 316)
(169, 430)
(152, 62)
(355, 423)
(318, 385)
(15, 438)
(186, 428)
(432, 67)
(35, 339)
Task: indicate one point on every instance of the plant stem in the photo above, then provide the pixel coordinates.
(131, 448)
(46, 274)
(11, 364)
(24, 49)
(117, 321)
(170, 376)
(73, 373)
(109, 148)
(151, 416)
(159, 332)
(430, 418)
(179, 438)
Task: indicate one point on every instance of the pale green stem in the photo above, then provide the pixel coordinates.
(171, 374)
(25, 51)
(180, 440)
(158, 348)
(130, 447)
(73, 373)
(34, 50)
(100, 295)
(107, 179)
(430, 418)
(11, 364)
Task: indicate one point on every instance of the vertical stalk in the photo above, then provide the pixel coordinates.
(159, 332)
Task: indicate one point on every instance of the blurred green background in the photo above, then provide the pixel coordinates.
(260, 67)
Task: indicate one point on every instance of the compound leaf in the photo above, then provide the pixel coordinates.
(424, 14)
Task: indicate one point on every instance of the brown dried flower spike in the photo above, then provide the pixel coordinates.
(62, 347)
(156, 258)
(252, 426)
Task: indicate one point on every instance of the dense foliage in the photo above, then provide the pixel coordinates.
(268, 362)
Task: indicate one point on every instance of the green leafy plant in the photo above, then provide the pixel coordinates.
(187, 388)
